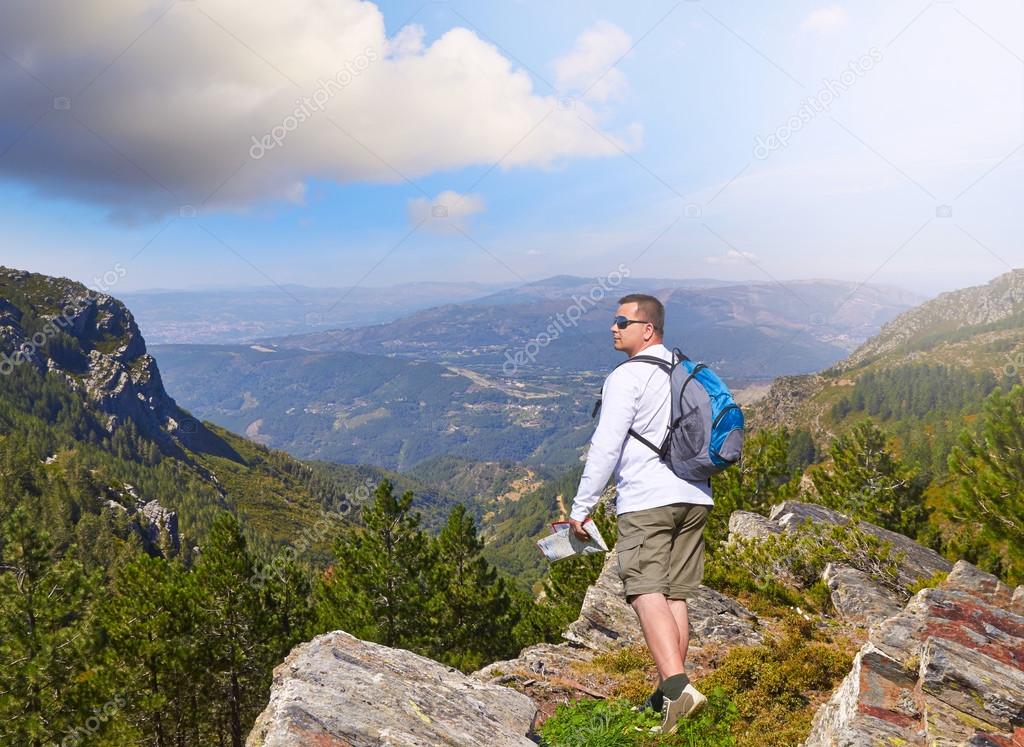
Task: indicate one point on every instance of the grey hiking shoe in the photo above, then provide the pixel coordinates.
(686, 705)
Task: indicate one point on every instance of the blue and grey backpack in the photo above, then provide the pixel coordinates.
(705, 432)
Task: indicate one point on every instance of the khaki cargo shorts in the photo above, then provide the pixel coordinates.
(661, 550)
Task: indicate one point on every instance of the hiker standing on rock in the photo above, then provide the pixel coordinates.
(661, 516)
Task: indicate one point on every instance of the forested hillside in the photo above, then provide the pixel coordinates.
(154, 569)
(930, 402)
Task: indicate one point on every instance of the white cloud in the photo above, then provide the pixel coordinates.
(159, 128)
(731, 257)
(408, 41)
(446, 211)
(588, 67)
(825, 19)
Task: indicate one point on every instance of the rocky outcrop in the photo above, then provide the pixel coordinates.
(785, 401)
(154, 524)
(339, 691)
(947, 670)
(857, 598)
(749, 525)
(918, 562)
(607, 622)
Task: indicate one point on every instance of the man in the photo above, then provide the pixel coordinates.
(660, 516)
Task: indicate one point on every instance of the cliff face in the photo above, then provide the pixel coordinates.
(92, 341)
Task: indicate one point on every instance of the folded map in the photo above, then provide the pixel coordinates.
(563, 542)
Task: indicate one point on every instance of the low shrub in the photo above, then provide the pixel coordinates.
(773, 685)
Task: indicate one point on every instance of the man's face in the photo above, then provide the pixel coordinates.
(634, 336)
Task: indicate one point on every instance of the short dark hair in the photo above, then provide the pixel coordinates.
(650, 307)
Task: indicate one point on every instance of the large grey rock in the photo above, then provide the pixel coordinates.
(537, 661)
(154, 524)
(954, 615)
(337, 690)
(918, 562)
(160, 527)
(857, 598)
(749, 525)
(874, 705)
(947, 670)
(606, 621)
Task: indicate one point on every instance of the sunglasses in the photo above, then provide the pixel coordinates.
(622, 322)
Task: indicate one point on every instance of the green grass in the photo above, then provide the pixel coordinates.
(601, 723)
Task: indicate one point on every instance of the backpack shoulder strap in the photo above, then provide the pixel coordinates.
(664, 365)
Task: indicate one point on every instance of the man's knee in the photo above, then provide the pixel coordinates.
(642, 600)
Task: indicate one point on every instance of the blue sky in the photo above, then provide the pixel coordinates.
(560, 138)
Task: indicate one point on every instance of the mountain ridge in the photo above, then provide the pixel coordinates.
(974, 328)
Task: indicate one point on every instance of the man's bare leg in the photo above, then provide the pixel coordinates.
(682, 618)
(661, 631)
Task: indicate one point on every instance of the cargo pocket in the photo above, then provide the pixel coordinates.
(628, 550)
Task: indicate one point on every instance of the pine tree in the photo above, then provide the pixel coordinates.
(379, 587)
(234, 629)
(802, 451)
(149, 620)
(48, 680)
(286, 593)
(866, 480)
(989, 497)
(475, 609)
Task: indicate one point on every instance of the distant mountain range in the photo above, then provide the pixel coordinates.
(561, 324)
(492, 379)
(246, 314)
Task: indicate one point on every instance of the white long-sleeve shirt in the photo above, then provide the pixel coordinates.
(635, 395)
